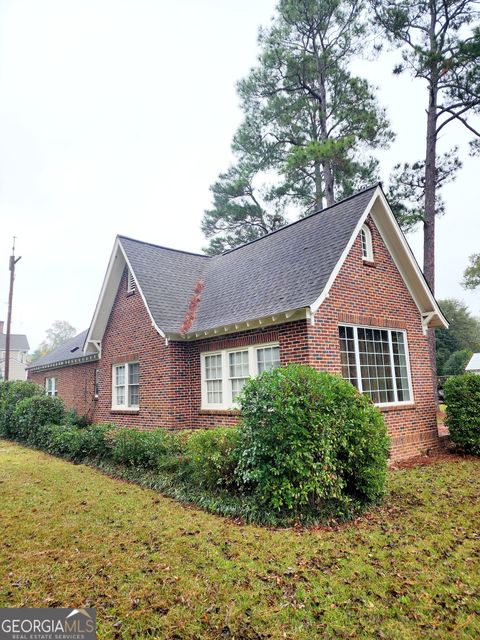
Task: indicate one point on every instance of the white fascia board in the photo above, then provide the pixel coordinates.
(111, 282)
(280, 317)
(139, 289)
(404, 260)
(316, 305)
(407, 265)
(96, 330)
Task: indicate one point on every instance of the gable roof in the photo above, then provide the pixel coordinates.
(288, 271)
(18, 342)
(280, 272)
(474, 363)
(69, 352)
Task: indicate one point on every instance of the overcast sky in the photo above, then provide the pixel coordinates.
(117, 115)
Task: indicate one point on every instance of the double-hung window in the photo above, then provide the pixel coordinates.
(225, 372)
(126, 385)
(376, 362)
(51, 386)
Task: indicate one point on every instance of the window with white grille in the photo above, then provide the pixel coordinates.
(126, 385)
(51, 386)
(366, 242)
(224, 373)
(376, 362)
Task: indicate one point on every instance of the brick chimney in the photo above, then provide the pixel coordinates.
(1, 326)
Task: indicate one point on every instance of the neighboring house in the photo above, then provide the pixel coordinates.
(19, 348)
(474, 364)
(175, 335)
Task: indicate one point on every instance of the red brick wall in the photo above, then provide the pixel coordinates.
(292, 338)
(376, 295)
(170, 390)
(130, 336)
(74, 385)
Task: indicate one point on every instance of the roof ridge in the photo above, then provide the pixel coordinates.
(159, 246)
(310, 215)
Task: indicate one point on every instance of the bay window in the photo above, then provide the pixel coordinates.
(126, 385)
(376, 362)
(224, 373)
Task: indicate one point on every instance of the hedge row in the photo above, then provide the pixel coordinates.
(309, 447)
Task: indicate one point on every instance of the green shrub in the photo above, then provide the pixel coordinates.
(143, 449)
(310, 441)
(34, 412)
(456, 363)
(72, 418)
(462, 397)
(211, 457)
(11, 393)
(76, 443)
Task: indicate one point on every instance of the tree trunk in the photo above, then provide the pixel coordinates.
(431, 192)
(318, 186)
(326, 164)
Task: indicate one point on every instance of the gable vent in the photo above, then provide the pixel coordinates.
(131, 286)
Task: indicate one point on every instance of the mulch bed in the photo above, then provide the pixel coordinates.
(424, 461)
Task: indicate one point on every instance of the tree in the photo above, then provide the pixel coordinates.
(309, 124)
(471, 275)
(59, 332)
(463, 333)
(456, 363)
(238, 214)
(439, 47)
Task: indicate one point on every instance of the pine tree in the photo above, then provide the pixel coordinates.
(440, 47)
(309, 125)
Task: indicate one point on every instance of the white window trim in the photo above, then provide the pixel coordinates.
(96, 383)
(227, 401)
(369, 242)
(126, 406)
(396, 402)
(54, 391)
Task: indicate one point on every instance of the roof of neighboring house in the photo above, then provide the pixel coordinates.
(69, 352)
(288, 270)
(18, 342)
(474, 364)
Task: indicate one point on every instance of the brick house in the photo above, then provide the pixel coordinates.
(175, 334)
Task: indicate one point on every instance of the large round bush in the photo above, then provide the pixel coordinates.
(310, 441)
(11, 393)
(32, 413)
(462, 397)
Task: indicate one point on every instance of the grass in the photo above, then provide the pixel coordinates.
(155, 568)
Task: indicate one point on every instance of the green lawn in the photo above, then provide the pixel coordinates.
(154, 568)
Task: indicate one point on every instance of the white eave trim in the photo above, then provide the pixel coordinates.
(60, 364)
(316, 305)
(281, 317)
(94, 338)
(139, 289)
(433, 311)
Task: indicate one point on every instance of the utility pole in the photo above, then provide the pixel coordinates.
(12, 264)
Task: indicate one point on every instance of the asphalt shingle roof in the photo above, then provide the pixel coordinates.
(18, 342)
(284, 270)
(69, 350)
